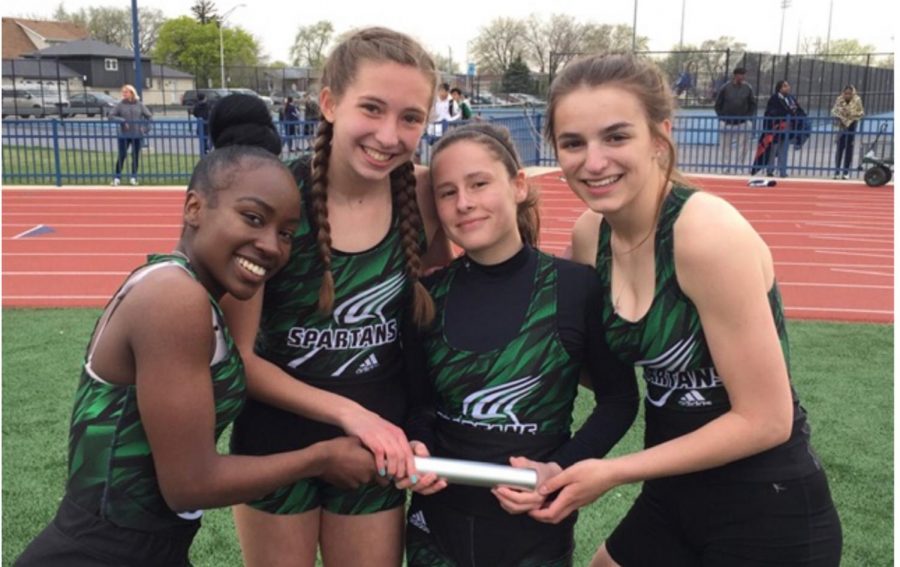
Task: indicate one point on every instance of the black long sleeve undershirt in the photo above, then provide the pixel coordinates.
(485, 309)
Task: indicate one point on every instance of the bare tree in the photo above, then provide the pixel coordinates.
(310, 43)
(150, 20)
(113, 25)
(498, 44)
(205, 11)
(551, 44)
(605, 38)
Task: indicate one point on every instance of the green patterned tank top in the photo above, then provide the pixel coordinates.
(111, 471)
(525, 388)
(360, 338)
(684, 390)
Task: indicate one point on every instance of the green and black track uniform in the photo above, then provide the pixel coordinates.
(497, 377)
(684, 392)
(353, 351)
(113, 512)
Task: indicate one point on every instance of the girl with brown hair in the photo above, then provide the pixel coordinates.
(323, 340)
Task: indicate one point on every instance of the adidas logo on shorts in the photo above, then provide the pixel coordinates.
(418, 520)
(693, 399)
(369, 364)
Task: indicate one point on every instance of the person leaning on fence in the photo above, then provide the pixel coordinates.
(848, 110)
(134, 121)
(291, 117)
(201, 113)
(735, 105)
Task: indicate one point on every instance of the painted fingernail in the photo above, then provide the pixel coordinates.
(414, 479)
(382, 471)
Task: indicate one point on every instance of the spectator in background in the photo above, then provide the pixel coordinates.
(311, 115)
(445, 110)
(291, 118)
(201, 113)
(735, 105)
(785, 122)
(848, 110)
(465, 109)
(134, 121)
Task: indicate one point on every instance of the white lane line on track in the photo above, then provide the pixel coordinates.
(864, 272)
(782, 283)
(111, 239)
(841, 310)
(26, 232)
(125, 273)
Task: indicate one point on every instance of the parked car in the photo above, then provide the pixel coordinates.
(279, 96)
(525, 98)
(189, 98)
(33, 102)
(268, 100)
(91, 103)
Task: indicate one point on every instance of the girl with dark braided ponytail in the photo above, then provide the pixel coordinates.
(323, 341)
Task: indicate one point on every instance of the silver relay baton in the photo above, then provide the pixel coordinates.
(476, 473)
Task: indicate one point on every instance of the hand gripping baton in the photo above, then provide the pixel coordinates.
(475, 473)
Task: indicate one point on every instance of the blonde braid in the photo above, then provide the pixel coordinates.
(403, 188)
(319, 204)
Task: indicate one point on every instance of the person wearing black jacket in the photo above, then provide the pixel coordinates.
(785, 123)
(201, 112)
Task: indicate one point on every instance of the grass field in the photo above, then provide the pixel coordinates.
(89, 167)
(842, 372)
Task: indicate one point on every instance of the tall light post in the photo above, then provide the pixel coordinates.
(785, 4)
(222, 44)
(634, 29)
(681, 37)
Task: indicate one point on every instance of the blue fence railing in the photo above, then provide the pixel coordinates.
(64, 152)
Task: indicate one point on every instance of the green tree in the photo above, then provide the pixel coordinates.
(190, 46)
(498, 44)
(517, 77)
(310, 44)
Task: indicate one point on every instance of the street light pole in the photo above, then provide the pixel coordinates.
(634, 29)
(785, 4)
(222, 44)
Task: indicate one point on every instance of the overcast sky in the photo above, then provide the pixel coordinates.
(448, 25)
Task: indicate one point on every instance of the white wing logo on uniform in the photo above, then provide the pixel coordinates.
(499, 401)
(370, 303)
(674, 359)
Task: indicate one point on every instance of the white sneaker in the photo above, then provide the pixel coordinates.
(115, 182)
(845, 176)
(133, 181)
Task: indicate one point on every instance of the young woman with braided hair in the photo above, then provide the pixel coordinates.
(322, 343)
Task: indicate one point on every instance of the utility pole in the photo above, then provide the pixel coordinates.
(681, 37)
(828, 36)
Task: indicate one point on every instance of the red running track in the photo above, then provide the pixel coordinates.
(833, 242)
